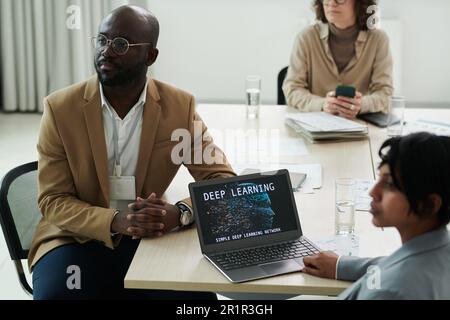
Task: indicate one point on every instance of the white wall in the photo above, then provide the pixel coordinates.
(219, 42)
(426, 47)
(209, 46)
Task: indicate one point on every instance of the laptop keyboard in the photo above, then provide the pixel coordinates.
(255, 256)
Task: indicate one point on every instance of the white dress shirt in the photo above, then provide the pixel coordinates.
(129, 151)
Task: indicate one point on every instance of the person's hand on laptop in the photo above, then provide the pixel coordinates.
(152, 217)
(321, 265)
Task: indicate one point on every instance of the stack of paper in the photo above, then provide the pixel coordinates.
(321, 126)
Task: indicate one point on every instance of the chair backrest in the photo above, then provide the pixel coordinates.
(281, 100)
(19, 213)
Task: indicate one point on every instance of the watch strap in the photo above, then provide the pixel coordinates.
(186, 215)
(113, 234)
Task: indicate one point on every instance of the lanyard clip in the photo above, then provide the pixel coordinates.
(118, 170)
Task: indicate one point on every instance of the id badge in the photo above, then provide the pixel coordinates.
(122, 188)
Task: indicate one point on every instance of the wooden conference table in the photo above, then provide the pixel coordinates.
(175, 262)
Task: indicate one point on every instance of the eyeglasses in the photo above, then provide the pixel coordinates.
(119, 45)
(339, 2)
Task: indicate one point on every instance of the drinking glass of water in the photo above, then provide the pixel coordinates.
(396, 116)
(345, 196)
(253, 96)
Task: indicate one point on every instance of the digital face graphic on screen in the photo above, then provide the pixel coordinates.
(241, 210)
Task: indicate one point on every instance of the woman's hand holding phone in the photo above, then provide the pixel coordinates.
(329, 105)
(343, 106)
(349, 107)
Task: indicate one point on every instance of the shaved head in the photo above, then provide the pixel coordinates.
(141, 22)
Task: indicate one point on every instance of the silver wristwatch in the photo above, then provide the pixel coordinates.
(113, 234)
(186, 215)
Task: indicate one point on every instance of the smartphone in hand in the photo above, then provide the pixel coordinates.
(345, 91)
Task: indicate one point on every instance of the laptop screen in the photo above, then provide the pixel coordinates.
(246, 207)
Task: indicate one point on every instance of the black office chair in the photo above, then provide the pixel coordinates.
(19, 214)
(281, 100)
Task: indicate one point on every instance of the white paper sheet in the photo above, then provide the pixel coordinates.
(342, 245)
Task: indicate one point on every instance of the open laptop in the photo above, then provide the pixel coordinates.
(296, 178)
(248, 225)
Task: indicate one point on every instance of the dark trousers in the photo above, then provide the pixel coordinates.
(93, 271)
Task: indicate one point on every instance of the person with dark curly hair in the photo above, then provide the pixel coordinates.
(412, 195)
(344, 47)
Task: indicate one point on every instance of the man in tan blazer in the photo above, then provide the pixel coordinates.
(100, 140)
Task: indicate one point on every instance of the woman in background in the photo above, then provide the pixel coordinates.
(412, 194)
(342, 48)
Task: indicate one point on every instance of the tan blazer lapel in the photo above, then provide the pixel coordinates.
(150, 122)
(94, 123)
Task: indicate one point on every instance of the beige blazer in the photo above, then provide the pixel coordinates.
(73, 170)
(312, 72)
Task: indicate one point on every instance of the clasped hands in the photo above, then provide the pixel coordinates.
(144, 218)
(342, 106)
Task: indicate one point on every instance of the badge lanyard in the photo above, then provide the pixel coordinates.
(117, 153)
